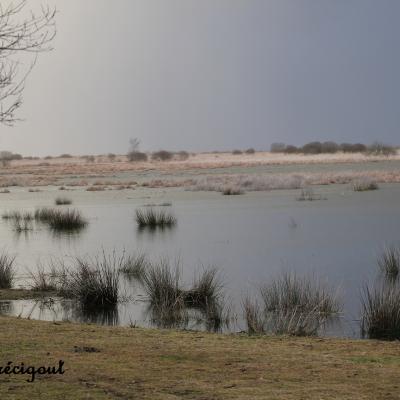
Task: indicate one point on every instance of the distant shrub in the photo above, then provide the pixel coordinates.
(237, 152)
(352, 148)
(312, 148)
(182, 155)
(6, 270)
(278, 148)
(111, 156)
(162, 155)
(381, 149)
(136, 156)
(250, 151)
(290, 149)
(48, 157)
(89, 158)
(329, 147)
(7, 156)
(65, 156)
(359, 148)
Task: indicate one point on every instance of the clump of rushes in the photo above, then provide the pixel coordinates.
(290, 291)
(43, 214)
(61, 220)
(230, 191)
(206, 289)
(291, 305)
(153, 218)
(60, 201)
(381, 312)
(135, 266)
(389, 262)
(162, 285)
(6, 270)
(363, 185)
(42, 280)
(308, 194)
(94, 282)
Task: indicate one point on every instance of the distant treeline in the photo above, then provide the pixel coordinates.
(376, 148)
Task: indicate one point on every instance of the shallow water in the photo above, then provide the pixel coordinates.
(250, 238)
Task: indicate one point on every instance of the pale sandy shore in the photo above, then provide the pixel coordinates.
(204, 171)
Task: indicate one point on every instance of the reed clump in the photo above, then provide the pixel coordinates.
(61, 201)
(153, 218)
(135, 266)
(292, 305)
(94, 282)
(6, 270)
(61, 220)
(43, 280)
(381, 311)
(389, 262)
(308, 194)
(171, 303)
(363, 185)
(231, 191)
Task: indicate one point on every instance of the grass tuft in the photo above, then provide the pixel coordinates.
(290, 305)
(135, 266)
(94, 282)
(381, 312)
(61, 220)
(6, 270)
(154, 218)
(389, 262)
(60, 201)
(363, 185)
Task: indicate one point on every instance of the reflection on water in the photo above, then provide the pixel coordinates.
(70, 310)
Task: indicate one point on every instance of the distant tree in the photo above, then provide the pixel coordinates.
(329, 147)
(250, 151)
(312, 148)
(162, 155)
(278, 147)
(134, 154)
(290, 149)
(21, 32)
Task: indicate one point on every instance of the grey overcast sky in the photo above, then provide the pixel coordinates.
(211, 75)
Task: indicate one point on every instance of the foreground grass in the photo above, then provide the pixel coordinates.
(157, 364)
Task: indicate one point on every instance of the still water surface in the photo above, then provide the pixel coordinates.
(250, 238)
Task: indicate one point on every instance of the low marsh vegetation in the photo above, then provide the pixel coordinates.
(135, 266)
(6, 270)
(363, 185)
(381, 311)
(291, 305)
(153, 218)
(308, 194)
(172, 303)
(94, 282)
(231, 190)
(61, 220)
(60, 201)
(389, 262)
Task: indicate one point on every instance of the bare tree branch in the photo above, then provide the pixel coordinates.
(21, 31)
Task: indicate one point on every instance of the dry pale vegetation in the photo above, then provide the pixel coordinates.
(78, 171)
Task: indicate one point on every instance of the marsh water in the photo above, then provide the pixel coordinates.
(251, 238)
